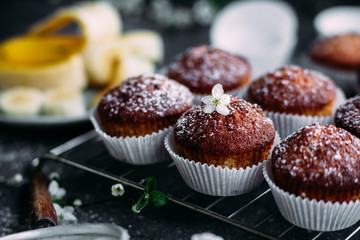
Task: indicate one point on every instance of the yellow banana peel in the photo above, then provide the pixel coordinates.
(45, 62)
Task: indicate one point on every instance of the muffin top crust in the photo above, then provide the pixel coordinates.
(292, 89)
(148, 96)
(244, 129)
(338, 51)
(200, 68)
(347, 116)
(318, 155)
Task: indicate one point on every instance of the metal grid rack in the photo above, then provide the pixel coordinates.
(255, 212)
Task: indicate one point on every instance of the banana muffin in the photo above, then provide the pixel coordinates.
(143, 105)
(319, 162)
(241, 138)
(294, 90)
(347, 116)
(201, 67)
(340, 51)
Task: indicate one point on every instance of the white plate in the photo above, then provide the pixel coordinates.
(48, 120)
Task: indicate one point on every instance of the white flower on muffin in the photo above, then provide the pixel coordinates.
(217, 101)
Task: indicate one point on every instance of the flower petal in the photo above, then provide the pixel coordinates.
(70, 218)
(217, 91)
(77, 202)
(207, 99)
(61, 192)
(58, 209)
(225, 99)
(54, 175)
(222, 109)
(53, 188)
(209, 108)
(117, 190)
(68, 209)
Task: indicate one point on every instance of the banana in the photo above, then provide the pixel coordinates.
(144, 43)
(97, 21)
(43, 63)
(130, 66)
(64, 101)
(21, 101)
(101, 61)
(137, 47)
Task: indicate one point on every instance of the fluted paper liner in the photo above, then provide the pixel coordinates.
(240, 92)
(312, 214)
(286, 124)
(140, 150)
(216, 181)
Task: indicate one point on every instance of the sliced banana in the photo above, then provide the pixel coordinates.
(21, 101)
(144, 43)
(64, 101)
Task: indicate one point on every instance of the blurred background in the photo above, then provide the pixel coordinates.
(169, 17)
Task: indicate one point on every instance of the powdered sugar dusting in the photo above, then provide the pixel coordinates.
(319, 153)
(347, 116)
(245, 127)
(202, 67)
(292, 87)
(148, 96)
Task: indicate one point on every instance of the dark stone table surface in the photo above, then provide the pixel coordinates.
(19, 145)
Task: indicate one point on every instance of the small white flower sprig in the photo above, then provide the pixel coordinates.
(64, 208)
(217, 101)
(150, 195)
(117, 190)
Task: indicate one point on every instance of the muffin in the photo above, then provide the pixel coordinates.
(319, 162)
(316, 171)
(201, 67)
(340, 51)
(143, 105)
(337, 57)
(242, 138)
(134, 117)
(219, 147)
(347, 116)
(294, 97)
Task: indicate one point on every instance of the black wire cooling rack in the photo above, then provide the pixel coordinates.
(255, 212)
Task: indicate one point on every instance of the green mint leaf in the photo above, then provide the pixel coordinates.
(58, 201)
(143, 202)
(150, 185)
(157, 198)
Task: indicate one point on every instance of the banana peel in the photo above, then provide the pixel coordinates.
(46, 62)
(97, 21)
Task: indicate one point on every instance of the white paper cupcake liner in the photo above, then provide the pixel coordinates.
(216, 181)
(312, 214)
(286, 124)
(345, 79)
(140, 150)
(240, 92)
